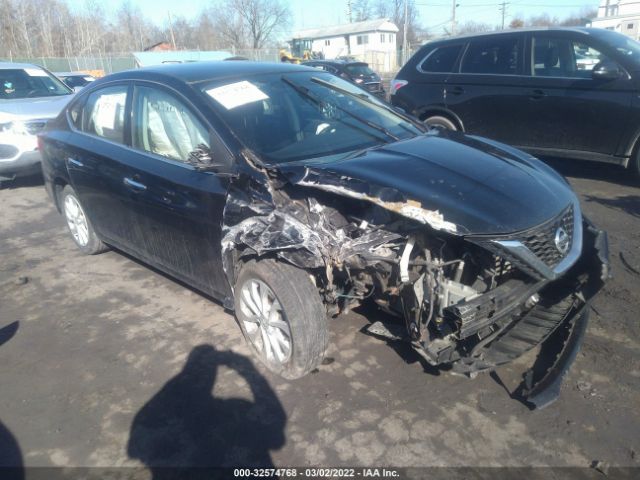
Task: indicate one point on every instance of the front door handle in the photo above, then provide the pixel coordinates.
(456, 90)
(74, 162)
(537, 94)
(137, 186)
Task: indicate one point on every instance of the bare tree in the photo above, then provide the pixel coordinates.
(471, 27)
(361, 10)
(394, 10)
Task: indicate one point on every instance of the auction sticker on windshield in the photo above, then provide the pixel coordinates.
(35, 72)
(237, 94)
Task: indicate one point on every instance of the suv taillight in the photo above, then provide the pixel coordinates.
(396, 85)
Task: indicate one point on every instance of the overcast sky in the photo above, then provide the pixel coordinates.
(433, 13)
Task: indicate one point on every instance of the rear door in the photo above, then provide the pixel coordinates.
(570, 110)
(426, 78)
(179, 208)
(96, 154)
(487, 93)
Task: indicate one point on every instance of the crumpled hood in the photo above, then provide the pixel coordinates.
(33, 108)
(453, 182)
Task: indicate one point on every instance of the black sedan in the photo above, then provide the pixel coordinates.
(356, 72)
(290, 195)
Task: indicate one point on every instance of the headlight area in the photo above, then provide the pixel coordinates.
(16, 138)
(470, 310)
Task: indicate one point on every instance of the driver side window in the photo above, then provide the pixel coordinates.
(165, 126)
(564, 58)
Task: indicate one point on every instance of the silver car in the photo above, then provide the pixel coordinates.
(29, 97)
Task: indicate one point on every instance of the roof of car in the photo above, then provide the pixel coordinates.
(336, 61)
(72, 74)
(203, 71)
(11, 65)
(583, 30)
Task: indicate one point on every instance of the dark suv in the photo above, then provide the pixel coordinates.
(569, 92)
(356, 72)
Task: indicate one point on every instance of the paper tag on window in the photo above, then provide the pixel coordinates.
(237, 94)
(35, 72)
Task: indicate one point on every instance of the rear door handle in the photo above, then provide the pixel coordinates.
(132, 184)
(537, 94)
(455, 90)
(74, 162)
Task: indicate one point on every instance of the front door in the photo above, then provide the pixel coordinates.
(180, 209)
(569, 109)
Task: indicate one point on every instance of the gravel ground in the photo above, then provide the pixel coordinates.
(115, 364)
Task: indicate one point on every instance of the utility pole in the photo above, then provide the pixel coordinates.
(404, 32)
(503, 9)
(454, 5)
(349, 11)
(173, 38)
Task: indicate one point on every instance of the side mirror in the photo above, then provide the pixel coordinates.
(203, 160)
(606, 70)
(77, 89)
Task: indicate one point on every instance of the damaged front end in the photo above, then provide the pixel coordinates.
(467, 302)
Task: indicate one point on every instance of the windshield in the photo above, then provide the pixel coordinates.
(29, 83)
(624, 45)
(290, 117)
(359, 70)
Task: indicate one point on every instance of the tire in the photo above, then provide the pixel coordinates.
(438, 121)
(301, 314)
(634, 165)
(79, 224)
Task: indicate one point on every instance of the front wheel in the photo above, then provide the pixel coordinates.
(281, 316)
(79, 225)
(438, 121)
(634, 165)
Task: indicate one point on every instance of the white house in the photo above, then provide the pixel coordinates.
(369, 40)
(620, 15)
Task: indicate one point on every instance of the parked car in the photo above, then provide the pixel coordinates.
(562, 92)
(75, 80)
(356, 72)
(29, 96)
(288, 194)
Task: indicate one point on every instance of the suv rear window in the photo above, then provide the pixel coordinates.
(497, 56)
(359, 70)
(441, 60)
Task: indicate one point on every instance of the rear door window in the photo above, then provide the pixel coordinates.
(441, 60)
(495, 56)
(103, 113)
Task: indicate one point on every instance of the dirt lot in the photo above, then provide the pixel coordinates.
(114, 364)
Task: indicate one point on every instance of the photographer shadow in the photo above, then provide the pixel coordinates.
(184, 429)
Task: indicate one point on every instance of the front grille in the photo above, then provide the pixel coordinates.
(35, 126)
(8, 151)
(541, 240)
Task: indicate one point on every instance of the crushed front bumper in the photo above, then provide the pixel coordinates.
(541, 385)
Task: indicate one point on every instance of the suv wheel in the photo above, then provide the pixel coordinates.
(281, 316)
(79, 225)
(635, 164)
(438, 121)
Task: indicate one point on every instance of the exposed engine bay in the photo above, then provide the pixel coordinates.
(461, 303)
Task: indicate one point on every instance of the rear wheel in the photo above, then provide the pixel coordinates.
(79, 225)
(438, 121)
(281, 316)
